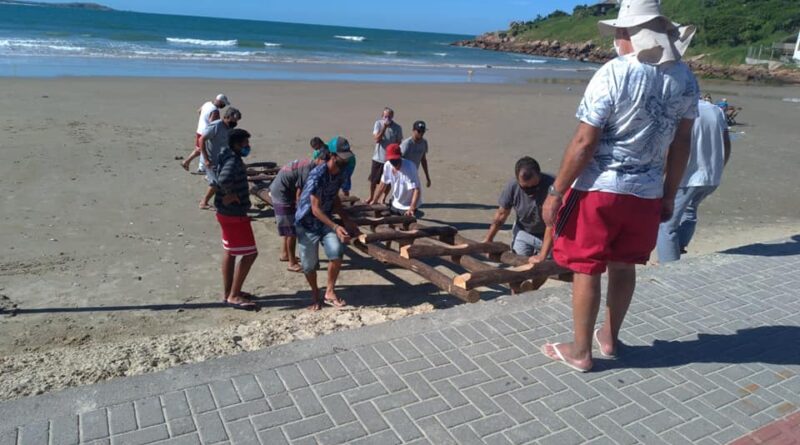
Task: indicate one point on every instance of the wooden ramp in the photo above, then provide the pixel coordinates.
(415, 243)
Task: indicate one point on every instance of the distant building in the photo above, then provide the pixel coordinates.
(604, 7)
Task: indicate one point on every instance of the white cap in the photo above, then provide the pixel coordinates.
(223, 98)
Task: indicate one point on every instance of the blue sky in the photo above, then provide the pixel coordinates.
(453, 16)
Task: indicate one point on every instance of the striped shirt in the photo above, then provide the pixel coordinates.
(232, 178)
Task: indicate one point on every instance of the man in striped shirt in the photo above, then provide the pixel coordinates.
(232, 201)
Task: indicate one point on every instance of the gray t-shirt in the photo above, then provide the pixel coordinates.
(527, 208)
(291, 178)
(216, 135)
(414, 151)
(393, 135)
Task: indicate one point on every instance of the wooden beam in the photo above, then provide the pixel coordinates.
(370, 221)
(261, 177)
(388, 234)
(262, 193)
(517, 274)
(429, 250)
(365, 208)
(437, 278)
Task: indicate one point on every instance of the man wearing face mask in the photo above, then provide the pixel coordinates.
(525, 195)
(385, 132)
(232, 202)
(213, 140)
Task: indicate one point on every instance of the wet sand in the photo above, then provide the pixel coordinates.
(113, 270)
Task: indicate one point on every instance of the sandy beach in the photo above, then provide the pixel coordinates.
(109, 268)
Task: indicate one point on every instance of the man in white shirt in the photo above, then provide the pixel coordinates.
(621, 171)
(711, 149)
(399, 178)
(209, 112)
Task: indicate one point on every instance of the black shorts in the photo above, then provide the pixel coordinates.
(376, 172)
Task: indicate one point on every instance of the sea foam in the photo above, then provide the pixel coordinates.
(352, 38)
(199, 42)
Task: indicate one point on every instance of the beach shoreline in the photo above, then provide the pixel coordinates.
(114, 270)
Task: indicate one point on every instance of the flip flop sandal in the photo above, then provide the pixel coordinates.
(332, 303)
(561, 358)
(600, 347)
(296, 269)
(251, 307)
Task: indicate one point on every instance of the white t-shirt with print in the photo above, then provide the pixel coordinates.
(638, 107)
(206, 111)
(403, 181)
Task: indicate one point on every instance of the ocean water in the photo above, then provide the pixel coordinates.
(45, 41)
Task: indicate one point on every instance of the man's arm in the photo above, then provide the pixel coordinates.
(500, 217)
(547, 245)
(677, 158)
(378, 133)
(203, 146)
(577, 156)
(414, 202)
(425, 169)
(727, 141)
(350, 228)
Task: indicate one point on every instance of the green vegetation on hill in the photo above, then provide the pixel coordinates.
(725, 27)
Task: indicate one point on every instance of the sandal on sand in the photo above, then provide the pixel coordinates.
(336, 304)
(561, 358)
(600, 347)
(296, 268)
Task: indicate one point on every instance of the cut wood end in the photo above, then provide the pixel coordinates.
(363, 238)
(460, 281)
(404, 252)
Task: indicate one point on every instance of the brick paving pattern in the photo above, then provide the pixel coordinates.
(712, 354)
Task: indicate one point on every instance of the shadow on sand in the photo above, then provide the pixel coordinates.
(788, 248)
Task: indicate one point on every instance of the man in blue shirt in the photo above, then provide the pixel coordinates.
(315, 225)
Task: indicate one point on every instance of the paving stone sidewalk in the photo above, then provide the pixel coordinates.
(712, 355)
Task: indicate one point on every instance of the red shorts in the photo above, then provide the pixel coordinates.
(237, 235)
(597, 228)
(197, 137)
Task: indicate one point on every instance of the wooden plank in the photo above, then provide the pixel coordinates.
(366, 208)
(260, 178)
(517, 274)
(376, 221)
(387, 234)
(427, 251)
(437, 278)
(262, 193)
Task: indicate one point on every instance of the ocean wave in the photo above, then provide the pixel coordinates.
(40, 45)
(352, 38)
(390, 53)
(199, 42)
(532, 61)
(271, 45)
(440, 54)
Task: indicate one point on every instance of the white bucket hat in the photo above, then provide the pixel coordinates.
(654, 37)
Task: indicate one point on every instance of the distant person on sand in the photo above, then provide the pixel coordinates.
(526, 195)
(285, 192)
(711, 150)
(314, 224)
(385, 131)
(400, 178)
(232, 202)
(209, 112)
(620, 172)
(415, 149)
(213, 140)
(341, 145)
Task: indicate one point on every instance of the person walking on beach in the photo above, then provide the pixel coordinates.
(385, 131)
(621, 171)
(415, 149)
(400, 178)
(314, 225)
(232, 201)
(711, 150)
(213, 140)
(208, 112)
(526, 195)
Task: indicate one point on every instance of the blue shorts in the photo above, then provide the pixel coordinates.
(308, 247)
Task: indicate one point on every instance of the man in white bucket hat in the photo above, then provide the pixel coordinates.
(620, 173)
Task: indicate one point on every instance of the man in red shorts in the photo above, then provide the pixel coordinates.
(621, 171)
(232, 201)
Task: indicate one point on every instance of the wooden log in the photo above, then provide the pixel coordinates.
(370, 221)
(517, 274)
(262, 193)
(426, 251)
(388, 234)
(366, 208)
(262, 165)
(260, 178)
(437, 278)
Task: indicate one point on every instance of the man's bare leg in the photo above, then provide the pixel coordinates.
(334, 267)
(207, 198)
(621, 285)
(242, 269)
(585, 306)
(292, 251)
(316, 305)
(228, 266)
(285, 249)
(194, 155)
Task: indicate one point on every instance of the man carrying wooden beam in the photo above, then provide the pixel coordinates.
(525, 194)
(400, 178)
(314, 224)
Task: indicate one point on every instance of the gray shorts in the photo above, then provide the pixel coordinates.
(211, 177)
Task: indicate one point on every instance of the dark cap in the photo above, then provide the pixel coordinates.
(420, 126)
(339, 145)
